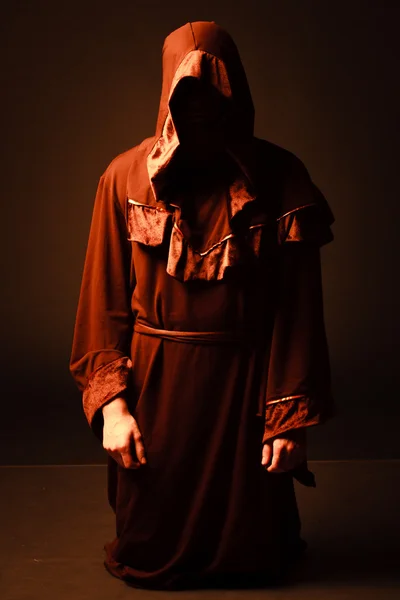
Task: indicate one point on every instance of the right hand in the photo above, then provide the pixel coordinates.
(121, 434)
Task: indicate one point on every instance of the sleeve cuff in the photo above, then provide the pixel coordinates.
(106, 382)
(292, 412)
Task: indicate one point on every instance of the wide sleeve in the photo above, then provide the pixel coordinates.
(100, 358)
(298, 391)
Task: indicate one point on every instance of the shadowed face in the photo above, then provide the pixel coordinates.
(198, 110)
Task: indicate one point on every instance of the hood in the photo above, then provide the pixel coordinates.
(206, 52)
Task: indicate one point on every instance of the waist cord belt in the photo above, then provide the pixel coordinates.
(195, 337)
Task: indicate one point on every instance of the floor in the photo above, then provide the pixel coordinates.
(55, 519)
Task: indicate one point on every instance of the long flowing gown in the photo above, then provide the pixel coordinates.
(202, 307)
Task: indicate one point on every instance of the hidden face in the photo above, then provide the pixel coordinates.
(199, 112)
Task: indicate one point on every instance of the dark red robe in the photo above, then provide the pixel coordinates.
(203, 308)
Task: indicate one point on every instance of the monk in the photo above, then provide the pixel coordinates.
(199, 344)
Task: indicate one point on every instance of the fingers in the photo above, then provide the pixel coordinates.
(123, 440)
(279, 457)
(139, 447)
(127, 461)
(266, 454)
(124, 457)
(286, 454)
(133, 456)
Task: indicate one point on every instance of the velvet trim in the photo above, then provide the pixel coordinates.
(147, 224)
(186, 264)
(104, 383)
(308, 223)
(294, 412)
(285, 399)
(291, 414)
(151, 225)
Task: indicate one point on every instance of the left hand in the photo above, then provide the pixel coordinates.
(285, 451)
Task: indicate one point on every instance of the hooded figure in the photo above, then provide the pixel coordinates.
(201, 307)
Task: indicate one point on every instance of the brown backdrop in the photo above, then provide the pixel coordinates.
(81, 83)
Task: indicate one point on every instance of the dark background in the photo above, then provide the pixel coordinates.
(81, 83)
